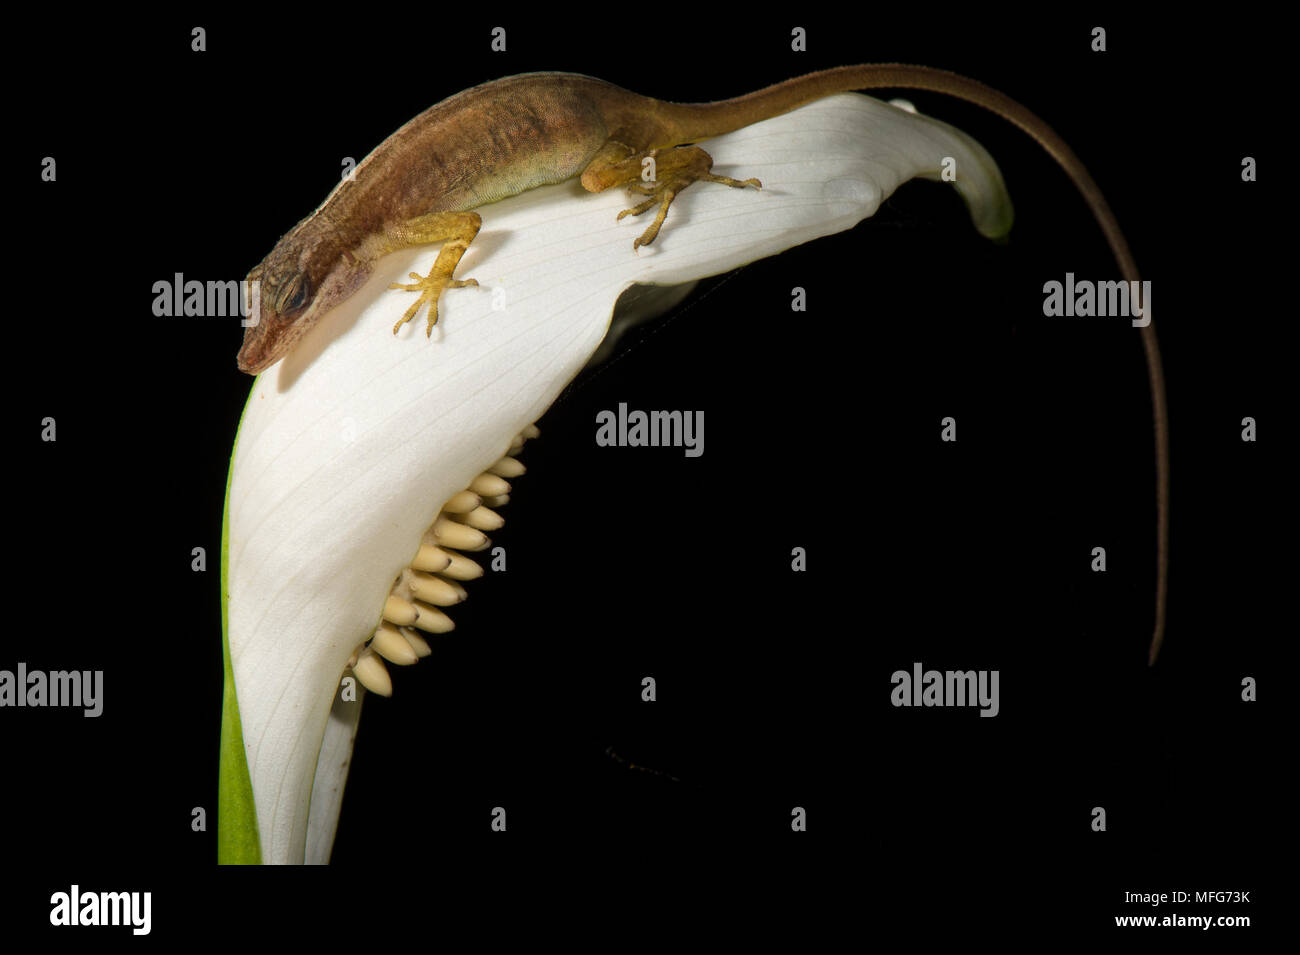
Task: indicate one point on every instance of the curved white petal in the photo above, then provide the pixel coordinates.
(349, 447)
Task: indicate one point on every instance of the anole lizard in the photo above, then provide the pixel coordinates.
(514, 134)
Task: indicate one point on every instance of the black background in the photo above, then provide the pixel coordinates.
(821, 432)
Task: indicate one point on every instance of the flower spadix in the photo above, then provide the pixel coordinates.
(350, 449)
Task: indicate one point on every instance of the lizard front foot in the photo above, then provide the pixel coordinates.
(455, 230)
(430, 286)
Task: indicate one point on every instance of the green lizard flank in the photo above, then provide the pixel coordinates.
(505, 137)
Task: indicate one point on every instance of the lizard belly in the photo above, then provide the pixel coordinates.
(528, 169)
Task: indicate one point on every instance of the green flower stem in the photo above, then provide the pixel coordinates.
(237, 840)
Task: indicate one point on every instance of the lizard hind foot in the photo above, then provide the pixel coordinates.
(675, 170)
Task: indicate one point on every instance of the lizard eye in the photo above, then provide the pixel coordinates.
(295, 294)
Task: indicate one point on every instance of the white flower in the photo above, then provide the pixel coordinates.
(350, 446)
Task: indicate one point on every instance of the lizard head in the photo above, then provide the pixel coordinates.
(285, 295)
(303, 278)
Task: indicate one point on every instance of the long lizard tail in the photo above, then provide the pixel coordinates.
(703, 120)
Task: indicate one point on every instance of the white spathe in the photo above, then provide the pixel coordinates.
(349, 447)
